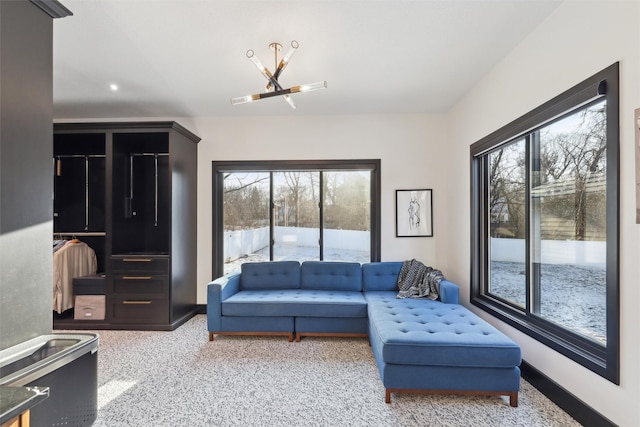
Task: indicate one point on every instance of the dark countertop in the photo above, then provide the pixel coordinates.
(16, 400)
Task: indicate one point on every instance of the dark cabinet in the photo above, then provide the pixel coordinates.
(134, 186)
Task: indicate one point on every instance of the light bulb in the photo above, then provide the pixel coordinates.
(244, 99)
(309, 87)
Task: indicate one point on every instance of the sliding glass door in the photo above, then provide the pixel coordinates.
(304, 213)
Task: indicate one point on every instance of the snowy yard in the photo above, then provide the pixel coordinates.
(572, 296)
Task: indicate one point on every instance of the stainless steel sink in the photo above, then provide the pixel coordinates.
(39, 356)
(66, 363)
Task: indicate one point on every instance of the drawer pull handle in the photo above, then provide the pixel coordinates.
(137, 302)
(137, 260)
(137, 277)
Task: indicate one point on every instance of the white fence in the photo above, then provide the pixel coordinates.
(241, 242)
(553, 252)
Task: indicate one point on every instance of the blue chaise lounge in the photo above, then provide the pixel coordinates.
(425, 346)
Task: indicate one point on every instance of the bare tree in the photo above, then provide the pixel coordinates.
(577, 155)
(507, 190)
(245, 200)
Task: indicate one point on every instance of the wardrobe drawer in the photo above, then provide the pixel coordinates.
(139, 265)
(156, 286)
(139, 310)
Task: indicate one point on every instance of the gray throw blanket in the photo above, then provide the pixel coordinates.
(416, 280)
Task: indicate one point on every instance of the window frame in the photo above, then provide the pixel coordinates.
(603, 360)
(219, 168)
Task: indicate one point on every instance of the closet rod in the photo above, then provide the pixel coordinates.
(150, 154)
(155, 164)
(80, 233)
(86, 193)
(63, 156)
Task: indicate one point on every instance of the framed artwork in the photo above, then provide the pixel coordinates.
(414, 213)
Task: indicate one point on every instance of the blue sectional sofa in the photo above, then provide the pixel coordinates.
(420, 345)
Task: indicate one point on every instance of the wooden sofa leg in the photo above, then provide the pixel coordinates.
(210, 336)
(387, 396)
(290, 337)
(513, 400)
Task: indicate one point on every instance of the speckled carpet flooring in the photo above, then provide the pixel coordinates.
(179, 378)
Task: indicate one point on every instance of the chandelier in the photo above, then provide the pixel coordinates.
(273, 87)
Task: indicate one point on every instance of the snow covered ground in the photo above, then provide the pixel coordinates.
(572, 296)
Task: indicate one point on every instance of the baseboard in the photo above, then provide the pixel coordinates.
(573, 406)
(201, 309)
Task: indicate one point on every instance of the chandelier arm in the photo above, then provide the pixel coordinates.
(290, 101)
(264, 71)
(286, 92)
(285, 61)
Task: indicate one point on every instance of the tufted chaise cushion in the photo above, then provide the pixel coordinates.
(425, 332)
(336, 276)
(270, 275)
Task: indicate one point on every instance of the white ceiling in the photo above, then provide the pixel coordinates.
(187, 57)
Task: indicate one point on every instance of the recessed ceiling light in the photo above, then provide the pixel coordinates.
(113, 87)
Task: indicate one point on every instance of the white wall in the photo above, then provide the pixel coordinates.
(410, 148)
(579, 39)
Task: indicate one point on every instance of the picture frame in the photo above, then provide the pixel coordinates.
(414, 213)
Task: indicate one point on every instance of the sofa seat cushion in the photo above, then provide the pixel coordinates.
(296, 302)
(425, 332)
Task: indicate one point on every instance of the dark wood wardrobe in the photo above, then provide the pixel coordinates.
(129, 191)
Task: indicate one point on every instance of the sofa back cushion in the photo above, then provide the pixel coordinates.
(327, 275)
(270, 275)
(381, 276)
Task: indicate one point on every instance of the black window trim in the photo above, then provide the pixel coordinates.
(221, 167)
(602, 360)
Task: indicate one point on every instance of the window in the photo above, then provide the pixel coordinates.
(295, 210)
(545, 223)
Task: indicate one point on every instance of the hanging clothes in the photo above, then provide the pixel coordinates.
(74, 259)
